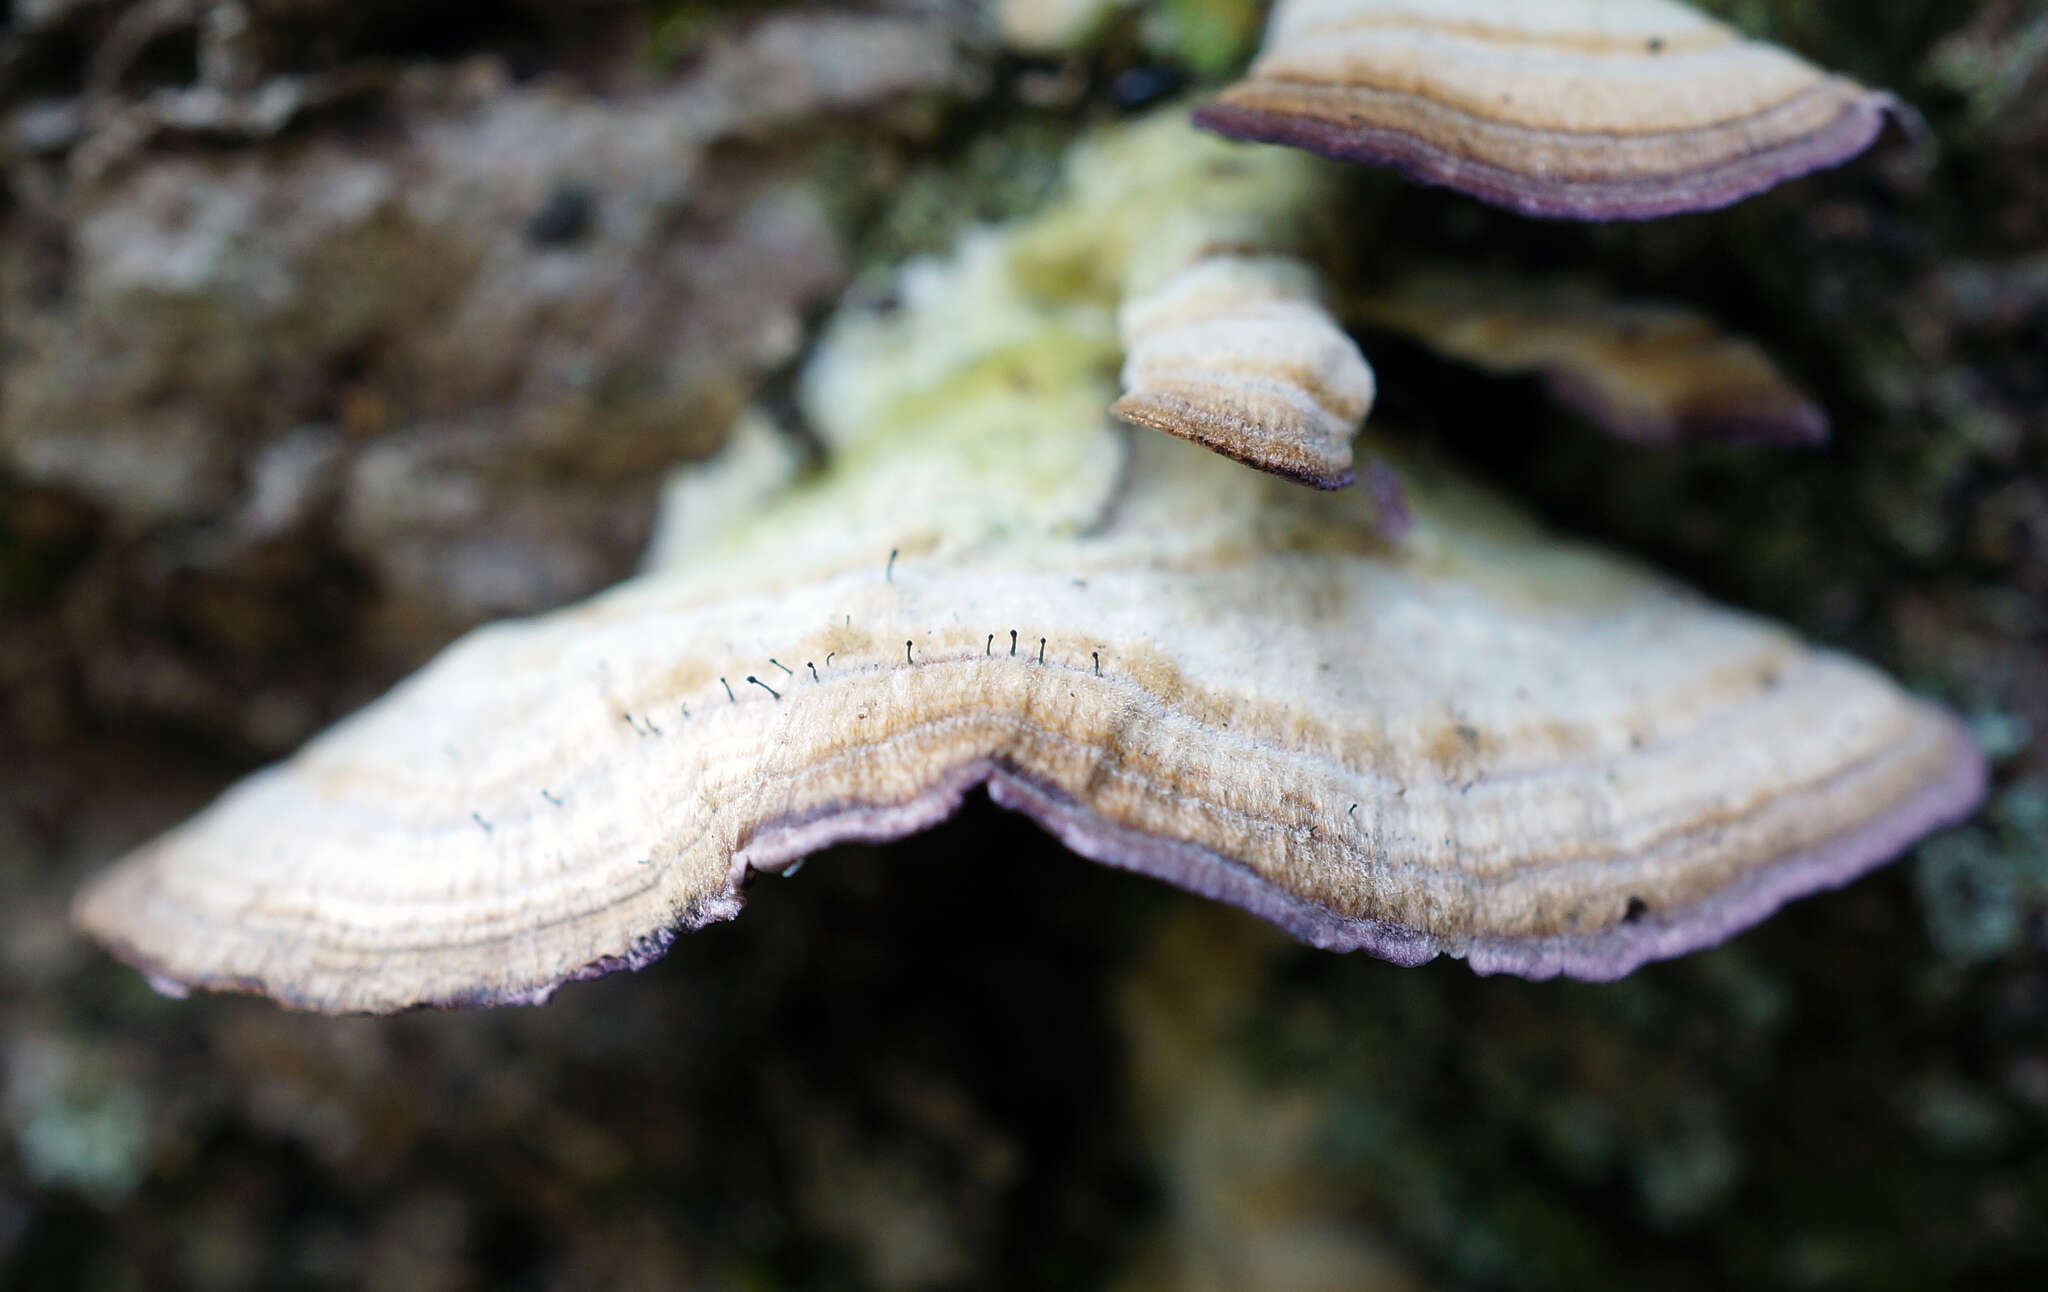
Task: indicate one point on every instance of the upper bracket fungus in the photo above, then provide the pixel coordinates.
(1576, 109)
(1472, 738)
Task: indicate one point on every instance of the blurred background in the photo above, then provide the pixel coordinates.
(331, 328)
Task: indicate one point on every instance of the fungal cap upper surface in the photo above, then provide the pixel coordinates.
(1579, 109)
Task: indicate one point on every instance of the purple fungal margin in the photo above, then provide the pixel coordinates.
(1854, 130)
(644, 951)
(1761, 420)
(1614, 952)
(1181, 426)
(1598, 957)
(1184, 865)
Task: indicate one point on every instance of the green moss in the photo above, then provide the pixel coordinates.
(1002, 173)
(77, 1125)
(1212, 38)
(673, 30)
(1983, 887)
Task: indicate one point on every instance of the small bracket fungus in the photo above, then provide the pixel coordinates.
(1226, 336)
(1478, 740)
(1578, 109)
(1656, 374)
(1237, 354)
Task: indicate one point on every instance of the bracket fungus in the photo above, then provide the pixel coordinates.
(1653, 373)
(1472, 738)
(1227, 336)
(1236, 353)
(1576, 109)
